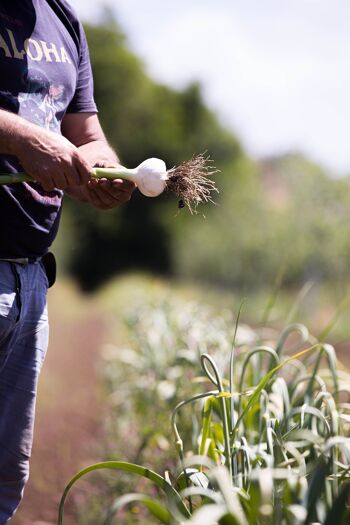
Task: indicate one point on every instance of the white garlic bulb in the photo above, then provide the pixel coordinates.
(151, 177)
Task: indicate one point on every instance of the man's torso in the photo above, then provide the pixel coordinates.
(39, 60)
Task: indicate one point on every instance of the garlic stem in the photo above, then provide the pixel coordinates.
(116, 173)
(150, 176)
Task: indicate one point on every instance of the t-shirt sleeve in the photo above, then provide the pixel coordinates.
(83, 99)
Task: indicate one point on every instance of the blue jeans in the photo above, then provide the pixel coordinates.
(23, 345)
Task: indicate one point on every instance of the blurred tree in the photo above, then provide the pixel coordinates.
(283, 208)
(287, 209)
(141, 119)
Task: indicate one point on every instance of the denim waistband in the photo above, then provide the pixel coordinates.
(24, 261)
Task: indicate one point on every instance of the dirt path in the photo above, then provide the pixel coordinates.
(69, 412)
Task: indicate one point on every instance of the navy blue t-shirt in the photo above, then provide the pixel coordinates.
(44, 72)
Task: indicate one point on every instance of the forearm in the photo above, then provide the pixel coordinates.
(84, 130)
(14, 132)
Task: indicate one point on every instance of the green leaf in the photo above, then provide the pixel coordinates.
(154, 507)
(205, 425)
(208, 515)
(304, 435)
(127, 467)
(282, 269)
(255, 397)
(197, 478)
(316, 489)
(339, 514)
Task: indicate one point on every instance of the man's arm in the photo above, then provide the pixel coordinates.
(46, 156)
(85, 132)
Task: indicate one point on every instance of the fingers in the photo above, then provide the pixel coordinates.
(43, 176)
(106, 194)
(73, 171)
(118, 188)
(59, 179)
(82, 169)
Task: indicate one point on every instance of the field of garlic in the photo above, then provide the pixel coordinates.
(221, 423)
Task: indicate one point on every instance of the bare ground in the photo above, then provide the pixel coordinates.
(69, 411)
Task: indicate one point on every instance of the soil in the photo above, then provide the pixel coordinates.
(69, 415)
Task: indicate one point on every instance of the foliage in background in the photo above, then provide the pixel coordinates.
(271, 430)
(141, 119)
(282, 207)
(283, 211)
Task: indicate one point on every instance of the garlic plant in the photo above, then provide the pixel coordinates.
(190, 181)
(262, 435)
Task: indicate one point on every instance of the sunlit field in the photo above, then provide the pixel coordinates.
(121, 360)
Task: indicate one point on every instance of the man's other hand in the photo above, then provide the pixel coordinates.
(52, 160)
(106, 194)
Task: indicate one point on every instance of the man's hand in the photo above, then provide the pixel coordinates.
(106, 194)
(52, 160)
(103, 193)
(84, 130)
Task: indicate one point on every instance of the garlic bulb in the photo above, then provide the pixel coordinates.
(151, 177)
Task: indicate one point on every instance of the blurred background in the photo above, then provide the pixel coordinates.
(263, 88)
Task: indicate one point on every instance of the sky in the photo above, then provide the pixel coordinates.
(277, 72)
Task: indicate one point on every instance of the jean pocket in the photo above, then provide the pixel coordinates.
(8, 304)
